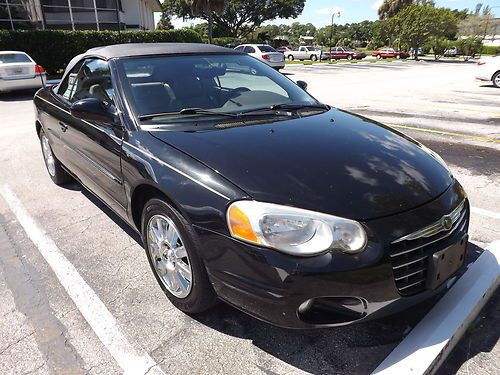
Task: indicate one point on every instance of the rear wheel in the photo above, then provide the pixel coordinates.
(496, 79)
(172, 250)
(379, 57)
(290, 58)
(56, 172)
(398, 57)
(314, 57)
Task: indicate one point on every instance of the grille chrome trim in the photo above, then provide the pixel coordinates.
(410, 258)
(443, 236)
(435, 227)
(412, 284)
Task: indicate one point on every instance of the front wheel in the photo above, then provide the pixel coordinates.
(56, 172)
(172, 250)
(398, 57)
(290, 58)
(379, 57)
(314, 57)
(349, 57)
(496, 79)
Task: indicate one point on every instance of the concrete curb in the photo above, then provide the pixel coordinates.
(429, 343)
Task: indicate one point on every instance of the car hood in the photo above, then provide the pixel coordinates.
(335, 162)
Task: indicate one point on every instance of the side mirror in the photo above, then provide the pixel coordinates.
(92, 109)
(302, 85)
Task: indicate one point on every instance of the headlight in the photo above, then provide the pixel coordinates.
(292, 230)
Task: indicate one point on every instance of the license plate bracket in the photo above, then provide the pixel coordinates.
(445, 263)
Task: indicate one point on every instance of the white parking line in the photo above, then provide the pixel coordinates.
(131, 360)
(433, 338)
(482, 211)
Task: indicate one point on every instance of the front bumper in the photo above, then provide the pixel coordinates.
(331, 289)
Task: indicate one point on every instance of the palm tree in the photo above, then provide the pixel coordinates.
(207, 7)
(390, 7)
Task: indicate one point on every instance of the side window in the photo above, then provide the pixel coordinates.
(240, 48)
(93, 81)
(67, 86)
(249, 49)
(301, 49)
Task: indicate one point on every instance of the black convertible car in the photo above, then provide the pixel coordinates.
(245, 188)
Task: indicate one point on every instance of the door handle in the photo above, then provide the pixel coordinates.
(63, 126)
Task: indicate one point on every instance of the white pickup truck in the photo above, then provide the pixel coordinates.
(304, 53)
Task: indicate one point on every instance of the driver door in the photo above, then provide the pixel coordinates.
(94, 148)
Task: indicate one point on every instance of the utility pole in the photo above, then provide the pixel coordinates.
(335, 14)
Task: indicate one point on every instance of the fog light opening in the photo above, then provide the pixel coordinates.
(332, 310)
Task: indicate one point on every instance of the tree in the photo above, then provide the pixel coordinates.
(478, 24)
(240, 17)
(438, 46)
(390, 8)
(415, 24)
(165, 22)
(208, 9)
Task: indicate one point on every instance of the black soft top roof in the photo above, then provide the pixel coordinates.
(145, 49)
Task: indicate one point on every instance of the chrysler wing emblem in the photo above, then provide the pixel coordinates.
(445, 224)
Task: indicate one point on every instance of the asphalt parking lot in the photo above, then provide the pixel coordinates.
(42, 330)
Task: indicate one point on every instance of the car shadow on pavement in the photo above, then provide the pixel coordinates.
(17, 96)
(356, 349)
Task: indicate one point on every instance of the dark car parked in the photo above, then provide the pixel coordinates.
(245, 188)
(338, 53)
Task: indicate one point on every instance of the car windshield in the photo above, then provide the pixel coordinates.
(160, 87)
(264, 48)
(10, 58)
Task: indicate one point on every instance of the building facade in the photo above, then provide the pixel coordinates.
(78, 14)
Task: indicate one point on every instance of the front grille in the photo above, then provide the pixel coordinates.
(410, 257)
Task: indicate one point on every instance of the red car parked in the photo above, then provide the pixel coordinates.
(386, 53)
(338, 53)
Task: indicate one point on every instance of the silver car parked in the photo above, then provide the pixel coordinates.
(18, 71)
(265, 53)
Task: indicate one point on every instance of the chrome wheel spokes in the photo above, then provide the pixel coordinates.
(170, 258)
(48, 156)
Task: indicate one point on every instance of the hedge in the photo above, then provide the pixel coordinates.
(491, 50)
(223, 41)
(53, 49)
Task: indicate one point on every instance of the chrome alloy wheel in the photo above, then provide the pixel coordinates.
(496, 80)
(169, 256)
(48, 156)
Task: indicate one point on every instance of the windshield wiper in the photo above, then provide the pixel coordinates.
(275, 108)
(292, 106)
(187, 111)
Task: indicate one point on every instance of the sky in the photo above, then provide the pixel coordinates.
(319, 12)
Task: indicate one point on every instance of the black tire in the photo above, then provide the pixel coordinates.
(314, 58)
(201, 296)
(379, 57)
(398, 57)
(290, 58)
(58, 174)
(496, 79)
(349, 57)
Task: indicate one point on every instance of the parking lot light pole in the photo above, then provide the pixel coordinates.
(335, 14)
